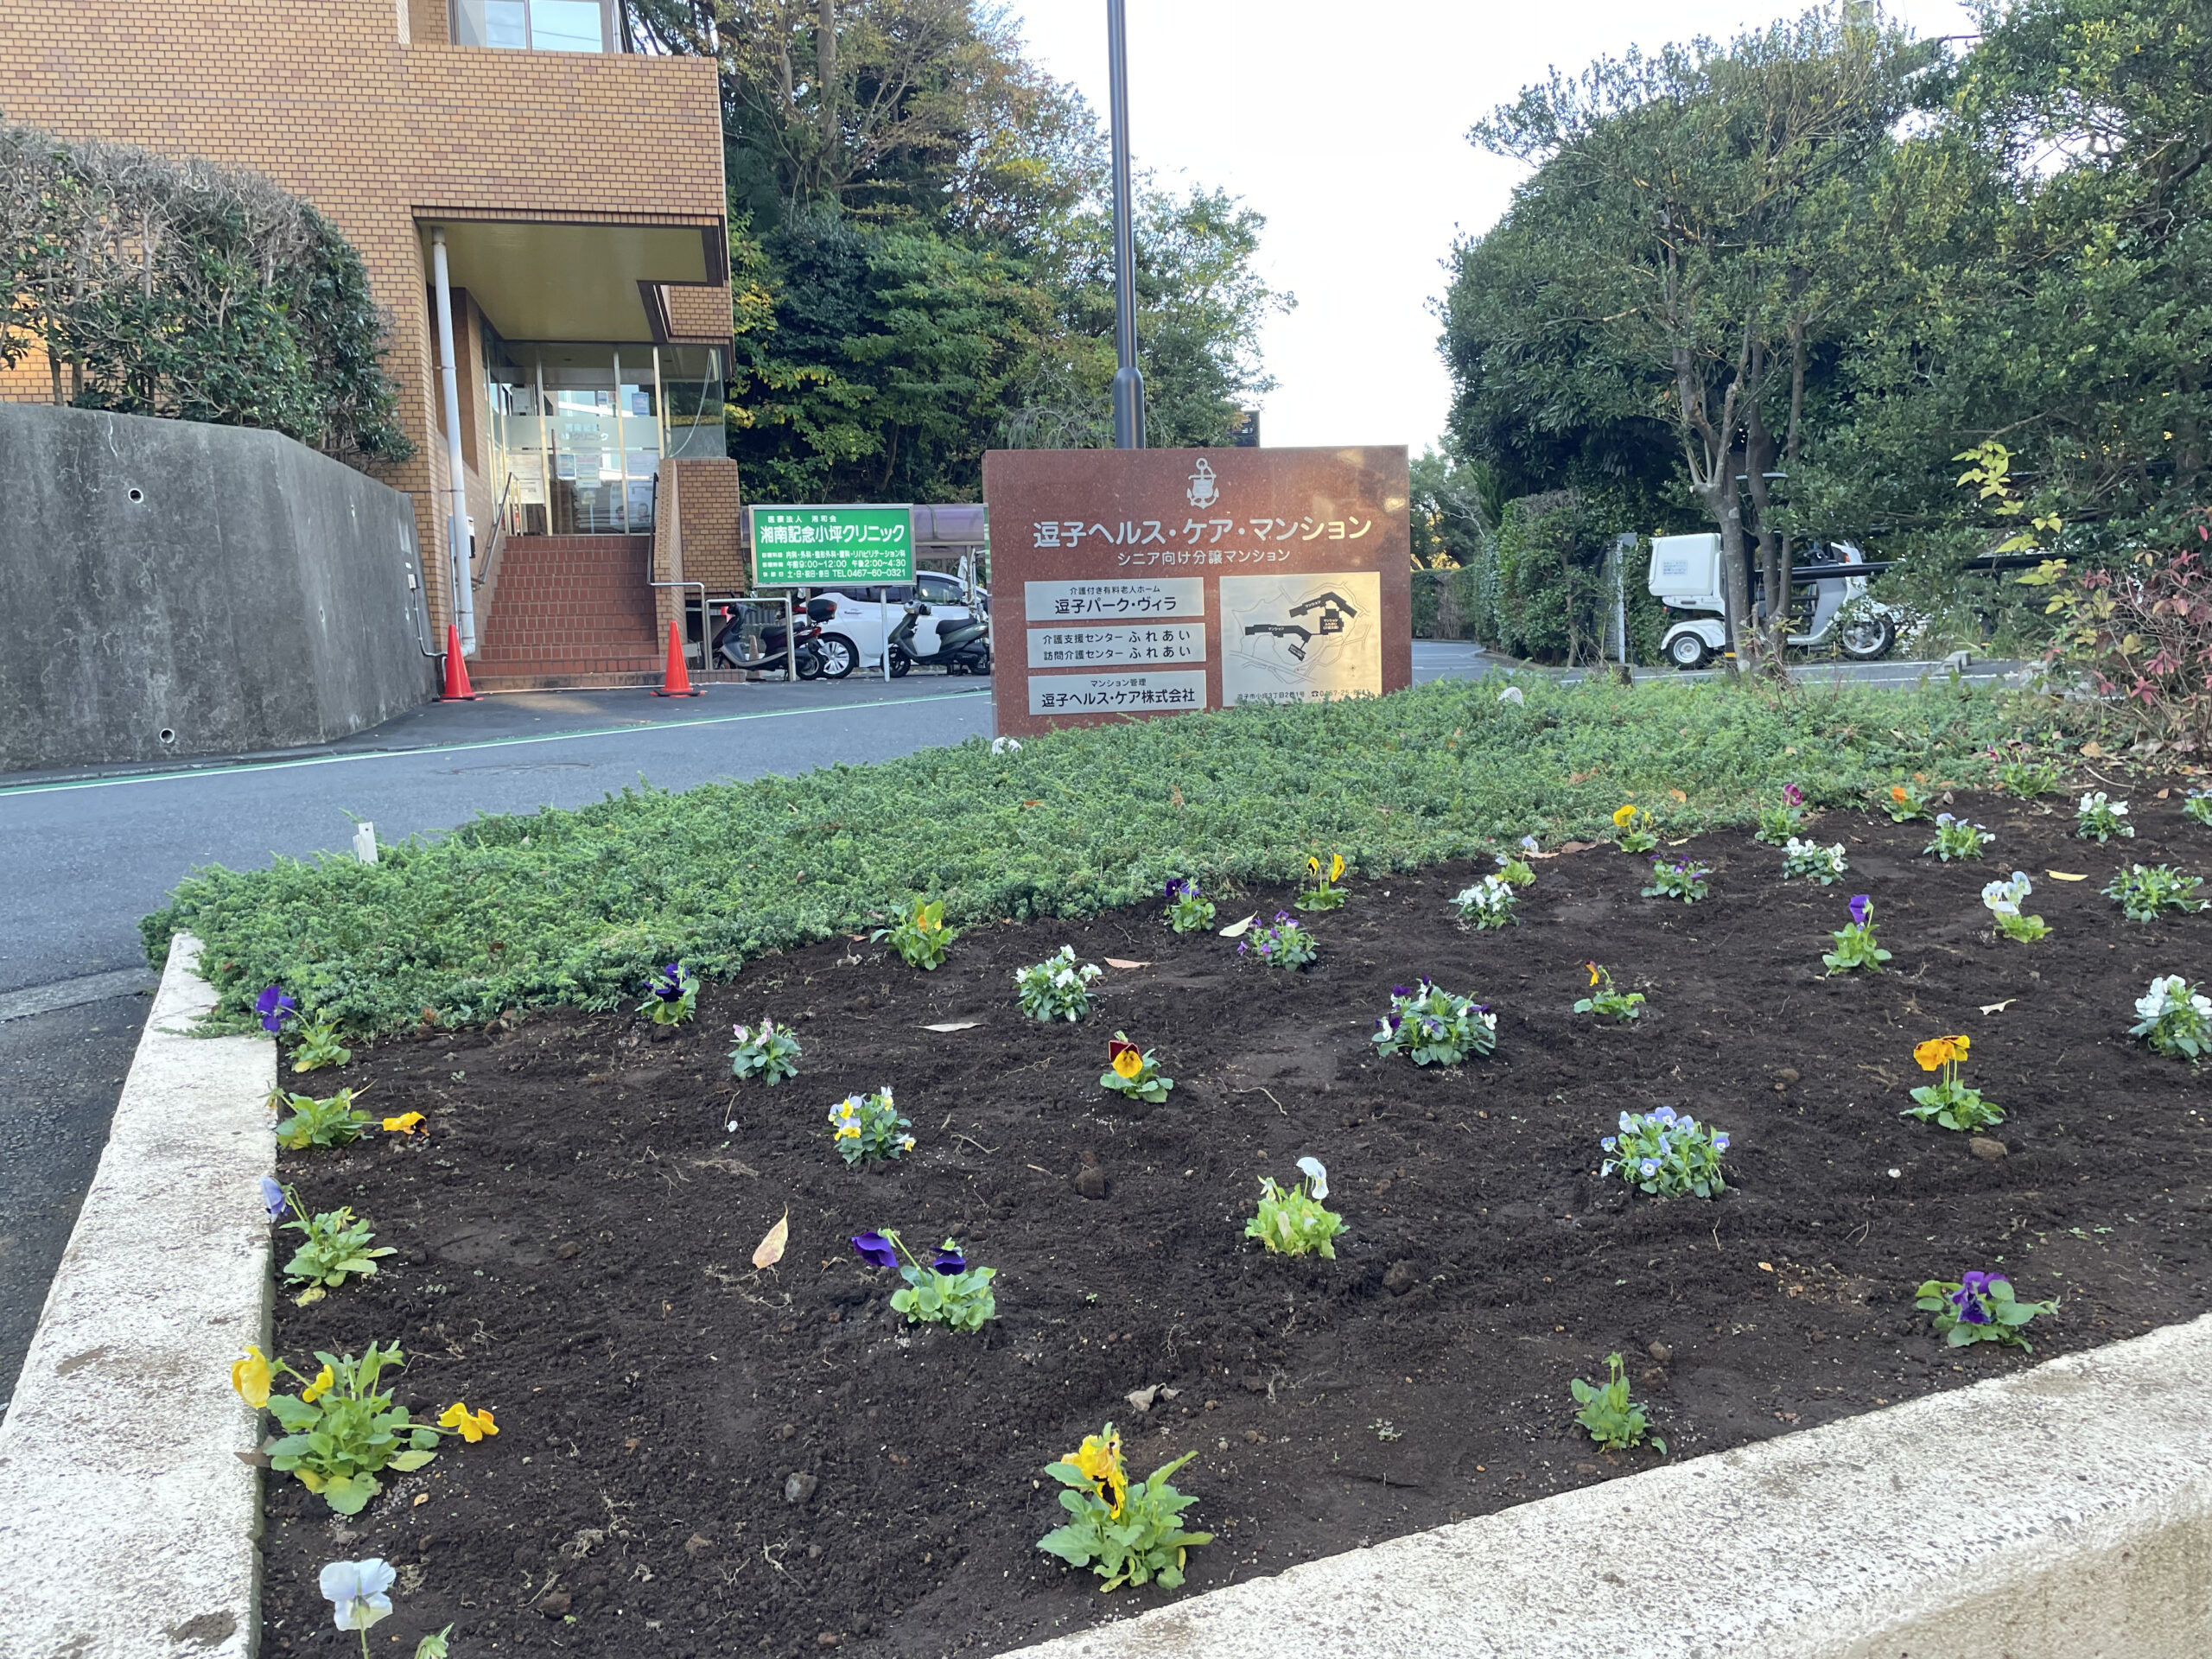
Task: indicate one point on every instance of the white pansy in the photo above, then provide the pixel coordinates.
(1319, 1176)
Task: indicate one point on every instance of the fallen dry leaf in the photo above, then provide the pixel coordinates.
(771, 1249)
(2093, 748)
(955, 1025)
(1678, 798)
(2064, 875)
(1235, 929)
(1577, 846)
(1998, 1007)
(1116, 962)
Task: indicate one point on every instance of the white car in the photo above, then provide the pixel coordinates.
(854, 636)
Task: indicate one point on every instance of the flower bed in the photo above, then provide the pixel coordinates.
(694, 1456)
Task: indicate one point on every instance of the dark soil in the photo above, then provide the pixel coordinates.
(576, 1237)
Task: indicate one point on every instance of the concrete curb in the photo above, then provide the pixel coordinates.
(2064, 1512)
(128, 1524)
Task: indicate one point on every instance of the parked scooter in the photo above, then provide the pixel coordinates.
(811, 656)
(957, 644)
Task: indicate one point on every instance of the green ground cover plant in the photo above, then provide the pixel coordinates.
(579, 907)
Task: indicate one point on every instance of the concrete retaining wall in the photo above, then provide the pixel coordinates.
(2064, 1512)
(231, 587)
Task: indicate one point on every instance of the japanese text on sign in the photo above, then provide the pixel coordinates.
(829, 545)
(1108, 601)
(1123, 644)
(1117, 694)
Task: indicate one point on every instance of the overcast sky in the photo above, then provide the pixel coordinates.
(1347, 126)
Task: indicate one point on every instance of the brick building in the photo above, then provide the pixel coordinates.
(577, 191)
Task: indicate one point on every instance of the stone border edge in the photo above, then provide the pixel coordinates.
(129, 1518)
(2056, 1513)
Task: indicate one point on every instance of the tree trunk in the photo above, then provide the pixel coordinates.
(825, 73)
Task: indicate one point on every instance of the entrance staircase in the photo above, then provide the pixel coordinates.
(571, 613)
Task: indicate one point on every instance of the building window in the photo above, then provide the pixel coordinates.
(578, 431)
(538, 25)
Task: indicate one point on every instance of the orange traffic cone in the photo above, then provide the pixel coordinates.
(677, 681)
(457, 690)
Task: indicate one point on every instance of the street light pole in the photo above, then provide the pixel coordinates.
(1128, 381)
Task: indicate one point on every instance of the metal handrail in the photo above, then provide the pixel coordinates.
(499, 537)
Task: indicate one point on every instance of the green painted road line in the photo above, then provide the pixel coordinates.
(483, 743)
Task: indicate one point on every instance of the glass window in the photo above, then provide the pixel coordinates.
(536, 25)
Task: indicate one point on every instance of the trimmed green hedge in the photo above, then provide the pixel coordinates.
(576, 906)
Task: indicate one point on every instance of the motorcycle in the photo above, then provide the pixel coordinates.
(812, 657)
(959, 645)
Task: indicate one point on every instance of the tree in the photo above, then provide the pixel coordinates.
(1700, 202)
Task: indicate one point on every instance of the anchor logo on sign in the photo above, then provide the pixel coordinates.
(1205, 489)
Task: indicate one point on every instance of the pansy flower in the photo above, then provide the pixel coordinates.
(272, 1197)
(1861, 907)
(1792, 795)
(1971, 1297)
(1125, 1058)
(876, 1249)
(948, 1259)
(473, 1425)
(356, 1591)
(274, 1007)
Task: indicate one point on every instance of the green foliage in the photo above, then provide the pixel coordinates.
(2027, 779)
(334, 1244)
(1605, 1000)
(184, 289)
(2197, 809)
(1957, 839)
(1126, 1533)
(587, 903)
(319, 1046)
(921, 939)
(867, 1128)
(1292, 1220)
(671, 994)
(1433, 1027)
(2144, 892)
(1610, 1418)
(1856, 946)
(1188, 911)
(1284, 943)
(768, 1052)
(332, 1121)
(1981, 1307)
(1666, 1154)
(1133, 1072)
(341, 1431)
(1681, 878)
(2140, 637)
(948, 1292)
(1825, 865)
(1906, 801)
(2098, 817)
(1489, 903)
(2175, 1018)
(1057, 988)
(1778, 825)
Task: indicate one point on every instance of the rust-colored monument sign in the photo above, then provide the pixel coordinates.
(1159, 582)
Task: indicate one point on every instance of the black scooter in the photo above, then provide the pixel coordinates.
(810, 658)
(963, 647)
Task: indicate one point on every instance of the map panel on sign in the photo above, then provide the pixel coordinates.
(1115, 599)
(1301, 639)
(1120, 644)
(1118, 694)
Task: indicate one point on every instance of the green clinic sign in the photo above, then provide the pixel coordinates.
(830, 547)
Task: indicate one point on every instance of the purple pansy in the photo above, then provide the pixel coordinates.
(272, 1197)
(876, 1249)
(1794, 795)
(1861, 908)
(1971, 1297)
(668, 982)
(274, 1007)
(949, 1259)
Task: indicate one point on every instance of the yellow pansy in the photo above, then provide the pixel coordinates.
(1593, 968)
(1314, 864)
(1100, 1459)
(1335, 866)
(1123, 1056)
(473, 1425)
(405, 1123)
(847, 1132)
(1939, 1051)
(250, 1377)
(324, 1381)
(1624, 816)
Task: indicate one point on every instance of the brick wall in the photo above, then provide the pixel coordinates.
(328, 99)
